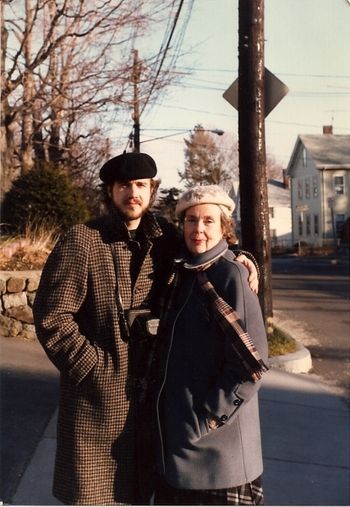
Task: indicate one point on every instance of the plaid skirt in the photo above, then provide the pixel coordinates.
(247, 494)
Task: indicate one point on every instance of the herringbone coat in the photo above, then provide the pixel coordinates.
(77, 324)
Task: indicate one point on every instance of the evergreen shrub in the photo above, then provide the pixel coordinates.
(42, 197)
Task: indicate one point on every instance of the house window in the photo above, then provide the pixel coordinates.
(308, 224)
(300, 225)
(307, 188)
(339, 224)
(338, 183)
(300, 189)
(304, 158)
(271, 212)
(315, 186)
(316, 225)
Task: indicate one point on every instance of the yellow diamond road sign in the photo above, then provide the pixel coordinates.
(275, 90)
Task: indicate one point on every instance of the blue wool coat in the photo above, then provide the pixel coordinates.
(202, 377)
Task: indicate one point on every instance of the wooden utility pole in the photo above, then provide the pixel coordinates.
(252, 154)
(136, 113)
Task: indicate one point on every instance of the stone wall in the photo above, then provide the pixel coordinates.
(17, 293)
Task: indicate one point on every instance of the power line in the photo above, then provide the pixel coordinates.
(178, 44)
(295, 93)
(164, 55)
(235, 71)
(230, 116)
(163, 51)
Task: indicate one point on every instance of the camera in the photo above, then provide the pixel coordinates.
(141, 323)
(142, 330)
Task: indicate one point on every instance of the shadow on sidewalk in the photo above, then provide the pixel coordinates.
(28, 398)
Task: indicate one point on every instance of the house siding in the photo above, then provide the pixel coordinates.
(280, 224)
(321, 201)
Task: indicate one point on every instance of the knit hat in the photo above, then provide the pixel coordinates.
(128, 166)
(205, 194)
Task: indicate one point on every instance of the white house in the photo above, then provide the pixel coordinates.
(280, 216)
(280, 219)
(319, 169)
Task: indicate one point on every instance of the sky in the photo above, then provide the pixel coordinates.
(307, 46)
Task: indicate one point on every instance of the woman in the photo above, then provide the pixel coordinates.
(207, 408)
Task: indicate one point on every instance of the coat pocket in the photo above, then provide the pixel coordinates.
(96, 385)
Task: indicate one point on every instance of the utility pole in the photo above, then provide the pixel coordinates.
(136, 113)
(252, 154)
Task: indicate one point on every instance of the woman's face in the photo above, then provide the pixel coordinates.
(202, 227)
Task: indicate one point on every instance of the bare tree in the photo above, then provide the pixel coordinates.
(228, 146)
(273, 168)
(66, 64)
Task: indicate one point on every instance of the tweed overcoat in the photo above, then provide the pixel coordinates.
(77, 324)
(203, 377)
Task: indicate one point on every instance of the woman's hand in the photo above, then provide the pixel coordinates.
(253, 279)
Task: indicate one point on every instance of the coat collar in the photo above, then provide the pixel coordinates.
(117, 230)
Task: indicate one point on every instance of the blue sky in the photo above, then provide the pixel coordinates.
(307, 46)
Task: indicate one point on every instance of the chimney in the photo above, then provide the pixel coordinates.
(285, 178)
(328, 129)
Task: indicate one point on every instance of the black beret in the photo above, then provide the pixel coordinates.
(128, 166)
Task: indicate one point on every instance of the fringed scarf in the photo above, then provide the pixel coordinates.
(231, 325)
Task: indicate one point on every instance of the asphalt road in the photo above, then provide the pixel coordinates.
(311, 300)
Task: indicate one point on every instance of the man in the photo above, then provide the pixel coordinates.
(96, 273)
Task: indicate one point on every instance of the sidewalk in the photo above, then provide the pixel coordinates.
(306, 442)
(306, 445)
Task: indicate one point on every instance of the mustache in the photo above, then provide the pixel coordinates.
(133, 201)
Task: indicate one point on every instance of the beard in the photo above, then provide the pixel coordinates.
(128, 213)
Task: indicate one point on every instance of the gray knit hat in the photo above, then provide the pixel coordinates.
(205, 194)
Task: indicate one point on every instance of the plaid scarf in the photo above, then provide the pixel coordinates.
(231, 325)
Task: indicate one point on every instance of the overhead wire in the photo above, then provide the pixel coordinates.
(165, 50)
(235, 71)
(166, 36)
(176, 49)
(165, 47)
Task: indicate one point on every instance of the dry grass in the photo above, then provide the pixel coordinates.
(280, 343)
(28, 251)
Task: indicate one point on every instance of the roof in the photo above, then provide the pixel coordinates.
(278, 194)
(327, 150)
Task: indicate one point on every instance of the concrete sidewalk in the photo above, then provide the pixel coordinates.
(306, 441)
(306, 446)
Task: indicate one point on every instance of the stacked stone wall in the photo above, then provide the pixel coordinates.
(17, 294)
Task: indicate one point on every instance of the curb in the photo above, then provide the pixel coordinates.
(295, 362)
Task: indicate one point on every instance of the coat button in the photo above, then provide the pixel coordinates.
(223, 418)
(237, 402)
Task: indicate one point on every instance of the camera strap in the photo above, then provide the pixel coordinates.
(124, 328)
